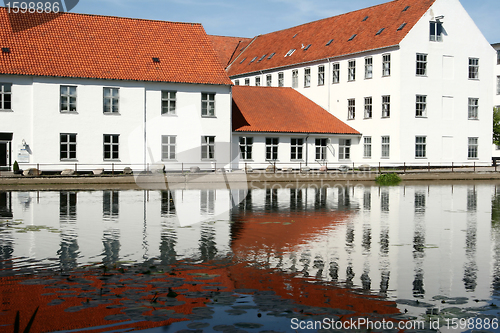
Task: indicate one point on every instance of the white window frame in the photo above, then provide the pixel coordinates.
(295, 78)
(336, 73)
(344, 149)
(367, 147)
(498, 85)
(473, 108)
(421, 64)
(368, 67)
(269, 80)
(351, 71)
(69, 145)
(420, 146)
(386, 65)
(111, 100)
(321, 75)
(386, 146)
(272, 145)
(208, 104)
(236, 82)
(257, 81)
(386, 106)
(168, 102)
(436, 31)
(351, 108)
(473, 68)
(296, 149)
(112, 142)
(67, 96)
(281, 79)
(246, 147)
(247, 81)
(368, 107)
(498, 57)
(421, 106)
(320, 145)
(168, 147)
(5, 96)
(472, 148)
(208, 147)
(307, 77)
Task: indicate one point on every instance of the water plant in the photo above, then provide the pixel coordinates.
(388, 179)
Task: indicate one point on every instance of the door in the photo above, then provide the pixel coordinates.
(4, 158)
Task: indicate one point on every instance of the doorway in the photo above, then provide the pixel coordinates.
(5, 149)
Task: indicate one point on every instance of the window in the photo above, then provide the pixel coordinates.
(473, 108)
(473, 68)
(368, 68)
(281, 79)
(420, 147)
(5, 96)
(386, 106)
(336, 73)
(272, 148)
(208, 147)
(236, 82)
(247, 82)
(307, 47)
(68, 147)
(295, 78)
(253, 59)
(168, 101)
(68, 99)
(262, 58)
(351, 75)
(257, 81)
(436, 31)
(307, 77)
(386, 65)
(344, 149)
(321, 149)
(380, 31)
(208, 105)
(368, 107)
(421, 106)
(168, 144)
(321, 75)
(351, 108)
(111, 98)
(246, 144)
(367, 148)
(352, 37)
(402, 26)
(289, 53)
(329, 42)
(272, 55)
(111, 146)
(421, 64)
(296, 149)
(473, 145)
(269, 80)
(386, 146)
(498, 85)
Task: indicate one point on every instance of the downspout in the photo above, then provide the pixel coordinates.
(329, 83)
(307, 149)
(145, 133)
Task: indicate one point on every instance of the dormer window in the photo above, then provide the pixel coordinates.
(436, 31)
(289, 53)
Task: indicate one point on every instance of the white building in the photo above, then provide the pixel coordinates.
(397, 72)
(118, 92)
(496, 149)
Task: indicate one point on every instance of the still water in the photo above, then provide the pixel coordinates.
(279, 260)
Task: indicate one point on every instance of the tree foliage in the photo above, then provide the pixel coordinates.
(496, 125)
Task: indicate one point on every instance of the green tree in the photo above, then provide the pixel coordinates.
(496, 125)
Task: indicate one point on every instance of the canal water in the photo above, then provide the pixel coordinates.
(311, 258)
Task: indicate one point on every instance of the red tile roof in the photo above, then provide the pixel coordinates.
(281, 110)
(102, 47)
(340, 28)
(228, 47)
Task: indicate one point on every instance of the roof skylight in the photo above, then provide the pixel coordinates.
(289, 53)
(272, 55)
(406, 8)
(329, 42)
(254, 58)
(380, 31)
(262, 57)
(307, 47)
(243, 60)
(5, 50)
(352, 37)
(402, 26)
(295, 35)
(366, 18)
(156, 60)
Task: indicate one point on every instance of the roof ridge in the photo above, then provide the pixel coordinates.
(117, 17)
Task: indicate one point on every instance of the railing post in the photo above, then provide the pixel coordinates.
(147, 166)
(495, 167)
(474, 166)
(379, 168)
(353, 167)
(404, 167)
(182, 167)
(246, 168)
(274, 166)
(326, 164)
(429, 166)
(451, 166)
(112, 169)
(215, 167)
(76, 167)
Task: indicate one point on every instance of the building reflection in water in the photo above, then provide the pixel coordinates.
(386, 240)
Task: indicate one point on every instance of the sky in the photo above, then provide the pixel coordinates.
(251, 18)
